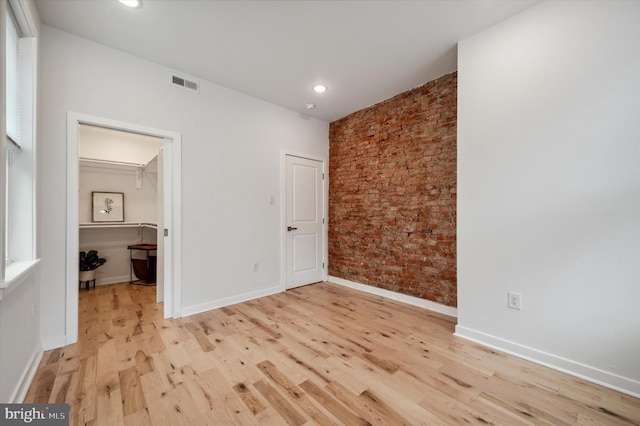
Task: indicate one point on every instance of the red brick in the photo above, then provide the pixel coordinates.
(392, 193)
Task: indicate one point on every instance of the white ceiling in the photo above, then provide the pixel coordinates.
(365, 51)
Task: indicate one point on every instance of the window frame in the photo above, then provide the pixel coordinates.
(18, 189)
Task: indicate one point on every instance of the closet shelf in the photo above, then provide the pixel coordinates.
(93, 225)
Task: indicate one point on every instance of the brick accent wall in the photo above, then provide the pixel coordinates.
(392, 193)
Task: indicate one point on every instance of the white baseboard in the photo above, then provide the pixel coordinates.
(107, 281)
(113, 280)
(410, 300)
(54, 342)
(591, 374)
(20, 392)
(220, 303)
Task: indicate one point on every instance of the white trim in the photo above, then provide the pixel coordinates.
(176, 228)
(591, 374)
(19, 248)
(3, 131)
(73, 231)
(15, 274)
(232, 300)
(94, 225)
(54, 342)
(25, 18)
(283, 213)
(173, 290)
(35, 166)
(283, 220)
(172, 220)
(410, 300)
(20, 392)
(111, 280)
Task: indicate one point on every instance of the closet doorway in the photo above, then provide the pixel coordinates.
(118, 204)
(105, 156)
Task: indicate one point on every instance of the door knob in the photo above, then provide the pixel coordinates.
(289, 228)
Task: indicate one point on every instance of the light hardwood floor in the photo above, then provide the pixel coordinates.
(320, 354)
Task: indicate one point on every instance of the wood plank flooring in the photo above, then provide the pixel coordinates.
(320, 354)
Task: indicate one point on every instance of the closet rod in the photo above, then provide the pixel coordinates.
(118, 163)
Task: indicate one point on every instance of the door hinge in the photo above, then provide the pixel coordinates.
(323, 220)
(323, 176)
(166, 232)
(322, 265)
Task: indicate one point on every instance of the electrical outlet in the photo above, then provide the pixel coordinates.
(514, 300)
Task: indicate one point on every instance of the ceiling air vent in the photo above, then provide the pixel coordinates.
(183, 82)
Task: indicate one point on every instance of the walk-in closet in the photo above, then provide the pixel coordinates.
(118, 203)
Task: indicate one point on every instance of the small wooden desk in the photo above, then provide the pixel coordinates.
(146, 248)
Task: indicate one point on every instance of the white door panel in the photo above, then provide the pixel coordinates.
(305, 208)
(304, 253)
(167, 240)
(304, 221)
(160, 231)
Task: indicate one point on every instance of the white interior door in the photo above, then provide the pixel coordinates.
(160, 234)
(304, 221)
(165, 233)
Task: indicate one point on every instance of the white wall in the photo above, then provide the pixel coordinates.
(231, 146)
(139, 205)
(112, 245)
(549, 188)
(20, 343)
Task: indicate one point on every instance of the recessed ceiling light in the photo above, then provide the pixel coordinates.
(131, 3)
(309, 105)
(319, 88)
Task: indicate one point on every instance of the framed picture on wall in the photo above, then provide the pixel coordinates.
(108, 206)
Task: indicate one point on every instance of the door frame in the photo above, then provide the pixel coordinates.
(283, 213)
(172, 285)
